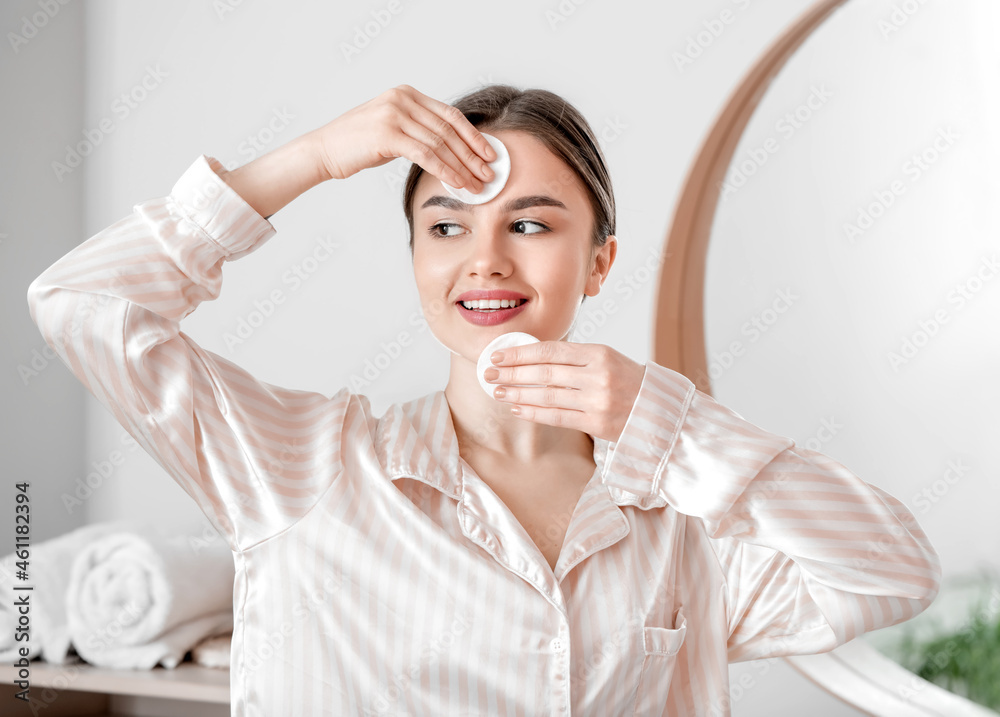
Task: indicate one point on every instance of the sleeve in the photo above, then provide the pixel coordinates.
(253, 456)
(812, 556)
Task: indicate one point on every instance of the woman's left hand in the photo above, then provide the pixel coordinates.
(589, 387)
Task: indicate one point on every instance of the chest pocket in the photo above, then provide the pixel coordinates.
(660, 645)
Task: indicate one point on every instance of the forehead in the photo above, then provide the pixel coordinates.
(534, 169)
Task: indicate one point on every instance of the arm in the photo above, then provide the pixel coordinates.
(254, 456)
(812, 555)
(273, 180)
(242, 449)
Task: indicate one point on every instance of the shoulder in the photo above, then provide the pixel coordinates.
(405, 416)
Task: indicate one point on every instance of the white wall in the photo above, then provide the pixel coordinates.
(225, 74)
(42, 428)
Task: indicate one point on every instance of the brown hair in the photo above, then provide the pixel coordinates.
(554, 122)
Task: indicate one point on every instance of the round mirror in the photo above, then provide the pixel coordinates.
(851, 300)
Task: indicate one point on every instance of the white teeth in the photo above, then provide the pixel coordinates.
(492, 303)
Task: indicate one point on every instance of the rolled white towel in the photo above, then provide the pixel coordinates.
(136, 599)
(215, 651)
(49, 563)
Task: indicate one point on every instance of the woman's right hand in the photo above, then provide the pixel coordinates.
(404, 122)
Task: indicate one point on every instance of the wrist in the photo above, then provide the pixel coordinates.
(311, 146)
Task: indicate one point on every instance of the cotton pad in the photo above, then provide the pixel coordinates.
(503, 341)
(501, 171)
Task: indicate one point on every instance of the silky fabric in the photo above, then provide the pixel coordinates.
(377, 574)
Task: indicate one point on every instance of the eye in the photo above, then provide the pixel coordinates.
(434, 230)
(526, 221)
(435, 233)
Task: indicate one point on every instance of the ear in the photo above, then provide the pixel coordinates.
(603, 259)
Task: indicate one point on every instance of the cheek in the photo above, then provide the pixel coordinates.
(423, 268)
(432, 284)
(562, 271)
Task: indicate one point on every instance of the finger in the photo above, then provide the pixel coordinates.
(471, 136)
(431, 153)
(545, 397)
(453, 136)
(551, 352)
(541, 374)
(420, 154)
(563, 418)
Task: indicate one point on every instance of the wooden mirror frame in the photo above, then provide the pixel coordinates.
(855, 673)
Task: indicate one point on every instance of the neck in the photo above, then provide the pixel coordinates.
(485, 424)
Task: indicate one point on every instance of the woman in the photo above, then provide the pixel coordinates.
(606, 550)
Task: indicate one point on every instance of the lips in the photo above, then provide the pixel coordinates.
(480, 294)
(490, 317)
(499, 308)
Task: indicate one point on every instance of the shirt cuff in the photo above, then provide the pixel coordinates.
(643, 448)
(223, 215)
(681, 447)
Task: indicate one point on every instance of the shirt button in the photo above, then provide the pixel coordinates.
(556, 645)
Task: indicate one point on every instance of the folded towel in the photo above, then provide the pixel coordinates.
(136, 599)
(49, 563)
(214, 652)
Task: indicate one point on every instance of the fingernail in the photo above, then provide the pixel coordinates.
(497, 357)
(500, 392)
(491, 374)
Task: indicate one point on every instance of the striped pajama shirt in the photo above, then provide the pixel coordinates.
(377, 574)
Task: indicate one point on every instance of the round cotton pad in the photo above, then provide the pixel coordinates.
(503, 341)
(501, 170)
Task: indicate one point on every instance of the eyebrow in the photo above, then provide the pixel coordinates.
(512, 205)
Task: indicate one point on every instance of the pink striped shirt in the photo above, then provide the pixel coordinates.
(377, 574)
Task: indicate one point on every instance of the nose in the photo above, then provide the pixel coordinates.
(489, 252)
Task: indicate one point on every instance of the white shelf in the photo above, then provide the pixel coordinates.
(83, 689)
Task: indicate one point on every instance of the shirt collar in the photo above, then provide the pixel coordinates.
(417, 439)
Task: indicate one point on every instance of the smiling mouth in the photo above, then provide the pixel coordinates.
(488, 310)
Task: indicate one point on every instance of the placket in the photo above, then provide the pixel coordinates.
(604, 527)
(487, 521)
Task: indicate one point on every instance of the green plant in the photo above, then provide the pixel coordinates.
(966, 662)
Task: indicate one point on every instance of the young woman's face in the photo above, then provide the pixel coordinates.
(540, 248)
